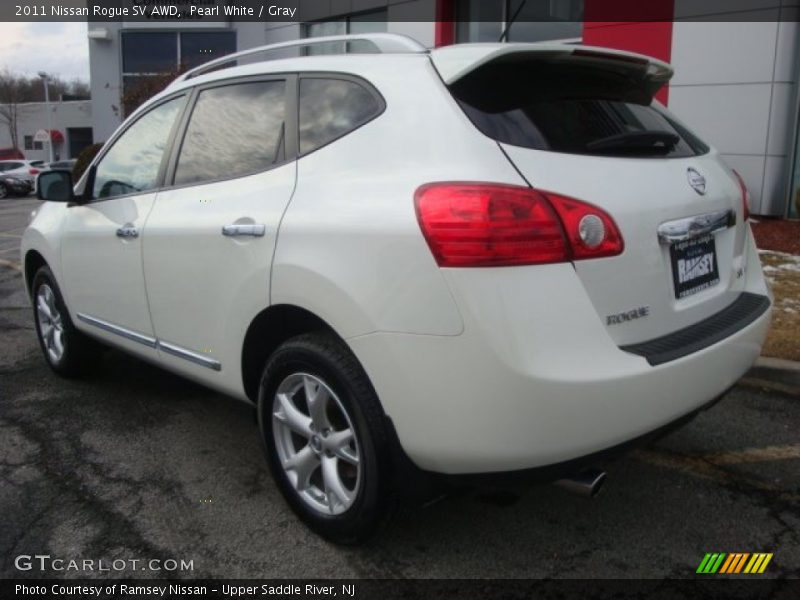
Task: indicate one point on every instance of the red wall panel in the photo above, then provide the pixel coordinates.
(650, 37)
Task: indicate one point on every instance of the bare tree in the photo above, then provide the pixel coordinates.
(10, 92)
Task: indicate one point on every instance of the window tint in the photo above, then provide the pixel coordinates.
(574, 109)
(330, 108)
(133, 162)
(234, 130)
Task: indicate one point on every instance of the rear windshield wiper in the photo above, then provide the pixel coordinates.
(654, 141)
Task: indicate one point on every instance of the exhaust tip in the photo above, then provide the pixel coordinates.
(586, 483)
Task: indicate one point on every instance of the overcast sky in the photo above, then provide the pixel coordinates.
(58, 48)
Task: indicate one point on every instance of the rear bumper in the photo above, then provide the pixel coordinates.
(536, 380)
(20, 189)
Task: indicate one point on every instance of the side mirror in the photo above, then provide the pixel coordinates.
(55, 186)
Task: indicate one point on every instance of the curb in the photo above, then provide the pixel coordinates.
(774, 375)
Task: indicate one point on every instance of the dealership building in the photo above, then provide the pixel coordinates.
(737, 63)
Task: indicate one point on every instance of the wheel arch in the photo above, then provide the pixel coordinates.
(32, 263)
(268, 330)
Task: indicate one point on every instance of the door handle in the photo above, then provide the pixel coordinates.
(695, 227)
(241, 229)
(127, 231)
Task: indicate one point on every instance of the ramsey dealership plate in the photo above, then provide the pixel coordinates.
(694, 266)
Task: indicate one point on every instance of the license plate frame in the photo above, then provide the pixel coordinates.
(694, 266)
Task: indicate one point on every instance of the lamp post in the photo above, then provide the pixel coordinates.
(45, 78)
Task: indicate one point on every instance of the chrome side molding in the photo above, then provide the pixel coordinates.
(120, 331)
(198, 359)
(172, 349)
(690, 228)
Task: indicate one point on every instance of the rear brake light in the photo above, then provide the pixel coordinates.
(481, 225)
(33, 171)
(745, 196)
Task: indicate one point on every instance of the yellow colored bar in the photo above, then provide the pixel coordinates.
(752, 566)
(765, 563)
(727, 563)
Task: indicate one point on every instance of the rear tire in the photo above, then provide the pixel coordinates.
(68, 351)
(3, 191)
(325, 438)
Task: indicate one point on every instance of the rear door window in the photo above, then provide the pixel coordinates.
(331, 108)
(234, 130)
(572, 109)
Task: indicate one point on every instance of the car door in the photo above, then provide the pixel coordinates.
(209, 241)
(101, 250)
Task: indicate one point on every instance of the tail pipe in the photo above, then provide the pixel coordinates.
(585, 483)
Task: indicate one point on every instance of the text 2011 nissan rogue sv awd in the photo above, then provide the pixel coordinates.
(482, 258)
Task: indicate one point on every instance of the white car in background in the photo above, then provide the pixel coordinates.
(477, 259)
(26, 170)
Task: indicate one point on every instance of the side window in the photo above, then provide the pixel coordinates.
(234, 130)
(133, 162)
(330, 108)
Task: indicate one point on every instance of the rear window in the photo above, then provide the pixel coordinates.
(575, 109)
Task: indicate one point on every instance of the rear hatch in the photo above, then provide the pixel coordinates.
(581, 122)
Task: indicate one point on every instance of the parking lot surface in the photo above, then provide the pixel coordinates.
(136, 464)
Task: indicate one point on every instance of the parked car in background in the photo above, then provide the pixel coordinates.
(13, 186)
(22, 169)
(11, 154)
(478, 259)
(60, 165)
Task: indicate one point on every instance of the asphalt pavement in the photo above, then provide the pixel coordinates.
(136, 464)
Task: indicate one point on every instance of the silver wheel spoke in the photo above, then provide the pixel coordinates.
(340, 443)
(43, 308)
(334, 488)
(58, 341)
(290, 416)
(302, 465)
(317, 399)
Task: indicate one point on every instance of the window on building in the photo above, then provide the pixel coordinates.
(28, 142)
(146, 54)
(369, 22)
(331, 108)
(38, 145)
(234, 130)
(203, 46)
(536, 21)
(133, 162)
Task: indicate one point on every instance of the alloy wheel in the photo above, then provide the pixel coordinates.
(51, 324)
(316, 443)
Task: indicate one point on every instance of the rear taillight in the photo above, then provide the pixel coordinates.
(483, 225)
(33, 171)
(591, 232)
(745, 196)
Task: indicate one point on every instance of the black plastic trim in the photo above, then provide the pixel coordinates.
(743, 311)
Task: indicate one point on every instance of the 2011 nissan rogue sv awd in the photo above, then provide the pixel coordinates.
(492, 257)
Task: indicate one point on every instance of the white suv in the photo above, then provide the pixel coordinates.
(475, 259)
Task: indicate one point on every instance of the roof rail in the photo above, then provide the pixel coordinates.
(386, 43)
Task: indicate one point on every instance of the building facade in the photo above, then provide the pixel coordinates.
(70, 126)
(736, 82)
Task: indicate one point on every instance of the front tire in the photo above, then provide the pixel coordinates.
(67, 351)
(325, 439)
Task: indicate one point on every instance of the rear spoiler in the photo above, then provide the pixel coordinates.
(455, 62)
